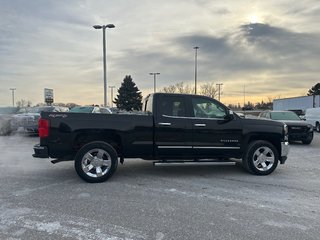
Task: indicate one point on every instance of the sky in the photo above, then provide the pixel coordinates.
(258, 50)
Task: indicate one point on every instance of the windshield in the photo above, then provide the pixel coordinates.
(284, 116)
(82, 109)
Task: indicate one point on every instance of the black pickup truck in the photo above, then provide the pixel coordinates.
(172, 127)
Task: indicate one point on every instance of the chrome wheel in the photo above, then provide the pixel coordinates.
(263, 158)
(96, 163)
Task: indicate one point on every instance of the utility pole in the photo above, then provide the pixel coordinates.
(154, 81)
(112, 87)
(219, 88)
(12, 90)
(244, 96)
(195, 68)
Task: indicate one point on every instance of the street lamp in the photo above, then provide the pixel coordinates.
(195, 68)
(12, 90)
(112, 87)
(154, 80)
(219, 88)
(103, 27)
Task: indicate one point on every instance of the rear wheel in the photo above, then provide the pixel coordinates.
(318, 127)
(96, 162)
(261, 158)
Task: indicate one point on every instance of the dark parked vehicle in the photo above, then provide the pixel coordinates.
(27, 119)
(175, 127)
(90, 109)
(6, 114)
(299, 130)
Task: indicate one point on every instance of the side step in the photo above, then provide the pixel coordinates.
(54, 161)
(195, 163)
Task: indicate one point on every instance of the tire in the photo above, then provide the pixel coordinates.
(96, 162)
(261, 158)
(318, 127)
(308, 140)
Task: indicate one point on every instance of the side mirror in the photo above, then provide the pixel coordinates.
(302, 118)
(229, 115)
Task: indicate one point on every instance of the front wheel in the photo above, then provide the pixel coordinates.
(309, 139)
(261, 158)
(96, 162)
(318, 127)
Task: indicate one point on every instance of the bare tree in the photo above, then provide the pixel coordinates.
(169, 89)
(188, 89)
(23, 103)
(209, 90)
(178, 88)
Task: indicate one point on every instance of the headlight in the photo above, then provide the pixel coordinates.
(285, 129)
(310, 127)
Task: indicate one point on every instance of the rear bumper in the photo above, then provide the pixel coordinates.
(40, 151)
(284, 152)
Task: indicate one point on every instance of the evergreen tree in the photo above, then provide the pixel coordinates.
(129, 97)
(315, 90)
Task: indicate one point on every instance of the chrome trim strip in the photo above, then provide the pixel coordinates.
(200, 125)
(189, 147)
(216, 147)
(173, 147)
(192, 118)
(164, 124)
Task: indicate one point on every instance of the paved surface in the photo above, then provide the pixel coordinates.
(39, 200)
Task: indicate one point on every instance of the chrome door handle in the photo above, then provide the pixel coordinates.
(164, 124)
(200, 125)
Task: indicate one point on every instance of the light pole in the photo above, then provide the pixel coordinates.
(112, 87)
(219, 88)
(195, 68)
(12, 91)
(154, 81)
(103, 27)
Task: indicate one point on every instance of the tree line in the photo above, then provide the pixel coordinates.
(129, 96)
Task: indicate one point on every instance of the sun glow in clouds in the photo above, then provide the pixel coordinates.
(253, 18)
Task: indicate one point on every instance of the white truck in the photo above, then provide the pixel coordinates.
(313, 117)
(297, 104)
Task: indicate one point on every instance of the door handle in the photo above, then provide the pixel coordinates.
(200, 125)
(164, 124)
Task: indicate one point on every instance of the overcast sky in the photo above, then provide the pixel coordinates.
(270, 47)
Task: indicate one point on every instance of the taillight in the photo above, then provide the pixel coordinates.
(43, 127)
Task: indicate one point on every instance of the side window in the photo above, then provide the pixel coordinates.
(148, 106)
(268, 115)
(205, 108)
(172, 106)
(96, 110)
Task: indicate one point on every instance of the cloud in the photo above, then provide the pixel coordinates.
(52, 44)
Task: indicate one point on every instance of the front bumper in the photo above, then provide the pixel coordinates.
(40, 151)
(300, 136)
(284, 152)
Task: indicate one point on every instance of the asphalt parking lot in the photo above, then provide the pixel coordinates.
(39, 200)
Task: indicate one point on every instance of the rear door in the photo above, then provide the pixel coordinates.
(173, 131)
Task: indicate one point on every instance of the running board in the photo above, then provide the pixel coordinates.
(54, 161)
(191, 163)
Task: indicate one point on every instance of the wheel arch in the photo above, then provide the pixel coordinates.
(84, 137)
(274, 139)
